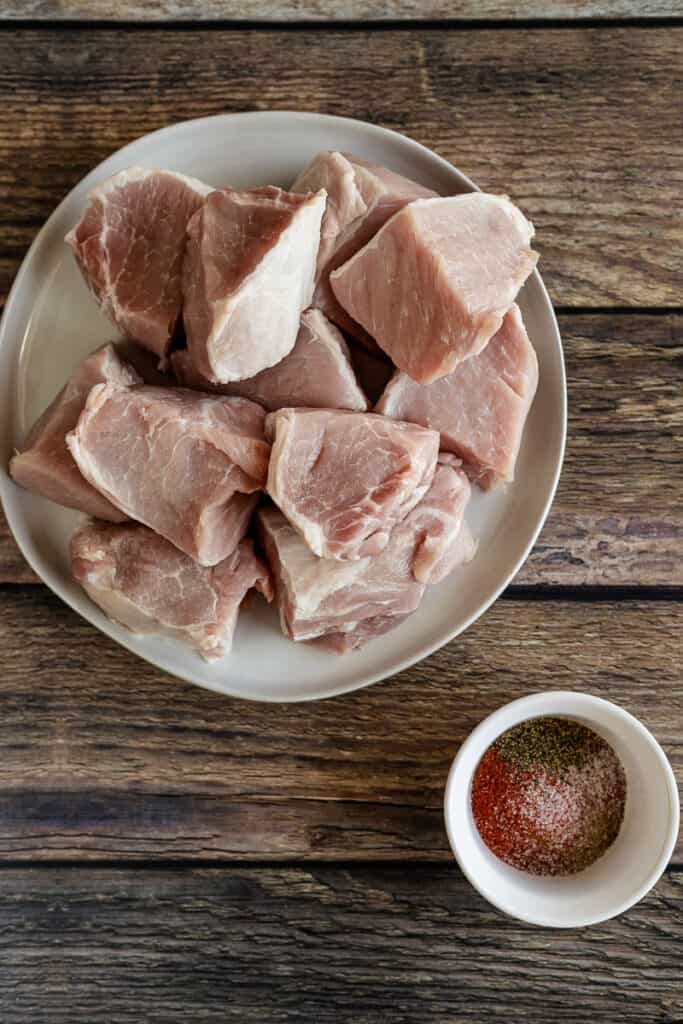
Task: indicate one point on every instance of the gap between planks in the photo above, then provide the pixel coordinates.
(343, 25)
(188, 864)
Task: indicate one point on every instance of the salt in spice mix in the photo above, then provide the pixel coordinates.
(548, 796)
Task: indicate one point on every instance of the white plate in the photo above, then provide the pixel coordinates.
(51, 323)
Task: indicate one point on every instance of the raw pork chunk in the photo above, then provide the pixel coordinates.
(433, 285)
(141, 581)
(317, 372)
(350, 602)
(248, 274)
(44, 464)
(318, 596)
(345, 479)
(480, 409)
(360, 198)
(186, 465)
(130, 244)
(443, 539)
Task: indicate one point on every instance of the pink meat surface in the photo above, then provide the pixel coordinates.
(433, 285)
(146, 584)
(44, 464)
(317, 596)
(343, 643)
(361, 197)
(187, 465)
(348, 603)
(345, 479)
(480, 409)
(247, 277)
(130, 245)
(317, 373)
(443, 539)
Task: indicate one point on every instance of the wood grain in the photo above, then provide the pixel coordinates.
(617, 518)
(331, 10)
(102, 755)
(580, 126)
(400, 944)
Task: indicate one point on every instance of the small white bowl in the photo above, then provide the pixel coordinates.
(631, 866)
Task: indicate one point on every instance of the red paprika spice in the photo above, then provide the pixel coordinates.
(548, 796)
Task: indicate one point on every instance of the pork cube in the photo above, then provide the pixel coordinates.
(344, 479)
(361, 197)
(433, 285)
(44, 464)
(146, 584)
(444, 540)
(350, 602)
(247, 277)
(318, 596)
(187, 465)
(317, 372)
(481, 407)
(130, 245)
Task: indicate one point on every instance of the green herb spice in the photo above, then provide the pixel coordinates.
(548, 796)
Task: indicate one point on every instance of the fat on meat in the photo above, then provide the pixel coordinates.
(481, 407)
(361, 196)
(344, 479)
(130, 244)
(248, 275)
(317, 373)
(146, 584)
(44, 464)
(348, 603)
(187, 465)
(433, 285)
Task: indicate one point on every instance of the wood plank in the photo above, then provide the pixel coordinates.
(320, 944)
(102, 755)
(617, 518)
(330, 10)
(556, 118)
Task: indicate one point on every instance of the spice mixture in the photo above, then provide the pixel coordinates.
(548, 796)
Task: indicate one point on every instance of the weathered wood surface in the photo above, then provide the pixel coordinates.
(377, 944)
(102, 755)
(331, 10)
(581, 126)
(105, 758)
(617, 518)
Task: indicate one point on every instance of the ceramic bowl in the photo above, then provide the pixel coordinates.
(51, 322)
(628, 869)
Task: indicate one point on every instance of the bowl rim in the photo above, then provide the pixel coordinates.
(549, 702)
(6, 484)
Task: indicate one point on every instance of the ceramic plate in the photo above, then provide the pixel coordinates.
(51, 323)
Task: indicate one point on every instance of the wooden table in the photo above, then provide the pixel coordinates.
(168, 855)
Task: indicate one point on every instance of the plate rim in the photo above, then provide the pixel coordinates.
(7, 484)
